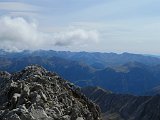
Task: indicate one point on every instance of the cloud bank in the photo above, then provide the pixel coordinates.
(16, 33)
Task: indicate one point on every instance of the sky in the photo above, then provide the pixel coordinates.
(81, 25)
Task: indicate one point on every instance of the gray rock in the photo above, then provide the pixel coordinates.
(36, 94)
(38, 112)
(79, 118)
(13, 117)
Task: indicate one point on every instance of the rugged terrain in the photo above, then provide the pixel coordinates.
(121, 73)
(36, 94)
(123, 106)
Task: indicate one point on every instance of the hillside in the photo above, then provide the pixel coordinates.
(123, 106)
(132, 77)
(98, 60)
(68, 69)
(154, 91)
(37, 94)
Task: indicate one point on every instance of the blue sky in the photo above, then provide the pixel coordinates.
(81, 25)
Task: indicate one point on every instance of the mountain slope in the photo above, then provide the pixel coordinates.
(103, 58)
(95, 59)
(125, 107)
(85, 69)
(68, 69)
(136, 79)
(36, 94)
(133, 77)
(154, 91)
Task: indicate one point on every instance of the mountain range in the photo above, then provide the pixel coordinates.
(96, 59)
(122, 73)
(129, 86)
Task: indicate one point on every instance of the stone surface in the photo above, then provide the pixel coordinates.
(37, 94)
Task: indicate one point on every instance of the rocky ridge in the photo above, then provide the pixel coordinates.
(124, 106)
(37, 94)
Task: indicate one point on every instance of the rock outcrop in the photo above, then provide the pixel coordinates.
(36, 94)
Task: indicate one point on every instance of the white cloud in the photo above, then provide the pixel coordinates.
(77, 36)
(16, 33)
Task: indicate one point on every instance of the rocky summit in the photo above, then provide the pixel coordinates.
(37, 94)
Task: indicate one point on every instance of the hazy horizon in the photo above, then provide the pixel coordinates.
(85, 25)
(153, 55)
